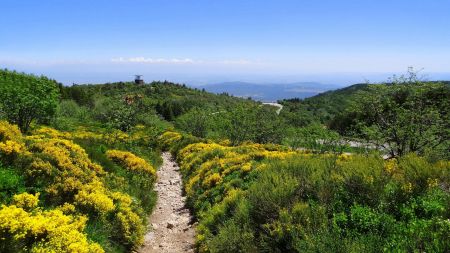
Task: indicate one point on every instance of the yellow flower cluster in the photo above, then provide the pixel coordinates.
(432, 182)
(39, 167)
(343, 157)
(83, 134)
(66, 164)
(26, 200)
(11, 141)
(407, 187)
(212, 180)
(93, 196)
(51, 133)
(169, 138)
(67, 208)
(390, 166)
(130, 223)
(11, 147)
(116, 136)
(130, 161)
(73, 184)
(9, 132)
(57, 232)
(208, 164)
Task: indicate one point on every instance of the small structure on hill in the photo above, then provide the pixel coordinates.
(138, 79)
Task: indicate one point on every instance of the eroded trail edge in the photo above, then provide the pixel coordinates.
(170, 223)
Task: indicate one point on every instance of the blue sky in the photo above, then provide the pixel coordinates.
(211, 41)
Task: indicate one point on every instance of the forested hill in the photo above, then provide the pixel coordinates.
(325, 106)
(320, 108)
(157, 91)
(168, 99)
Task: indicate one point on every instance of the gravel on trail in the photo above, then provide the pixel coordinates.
(171, 227)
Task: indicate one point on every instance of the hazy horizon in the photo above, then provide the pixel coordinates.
(196, 80)
(199, 42)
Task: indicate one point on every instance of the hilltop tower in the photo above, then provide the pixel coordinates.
(138, 79)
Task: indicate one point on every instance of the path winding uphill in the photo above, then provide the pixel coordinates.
(171, 229)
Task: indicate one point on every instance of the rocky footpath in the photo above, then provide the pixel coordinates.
(171, 225)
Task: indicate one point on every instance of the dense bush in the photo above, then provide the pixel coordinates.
(77, 193)
(402, 117)
(265, 198)
(25, 98)
(314, 137)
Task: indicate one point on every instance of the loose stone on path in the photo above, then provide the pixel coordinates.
(169, 225)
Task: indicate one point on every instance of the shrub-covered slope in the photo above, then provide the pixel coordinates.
(266, 198)
(56, 197)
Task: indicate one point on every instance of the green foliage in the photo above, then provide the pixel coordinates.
(69, 108)
(314, 137)
(232, 237)
(25, 98)
(406, 115)
(253, 123)
(196, 122)
(319, 109)
(69, 115)
(253, 197)
(11, 183)
(319, 203)
(116, 113)
(139, 186)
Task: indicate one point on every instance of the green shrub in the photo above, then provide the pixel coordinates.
(11, 183)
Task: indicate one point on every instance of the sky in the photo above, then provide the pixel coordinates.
(204, 41)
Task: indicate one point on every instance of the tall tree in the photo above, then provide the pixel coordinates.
(25, 98)
(405, 115)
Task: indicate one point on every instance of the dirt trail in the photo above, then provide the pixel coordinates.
(170, 224)
(280, 106)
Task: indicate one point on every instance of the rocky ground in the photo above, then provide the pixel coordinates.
(171, 228)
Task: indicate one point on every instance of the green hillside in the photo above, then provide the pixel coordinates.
(78, 167)
(322, 107)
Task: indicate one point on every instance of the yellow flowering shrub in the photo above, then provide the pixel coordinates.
(11, 143)
(26, 200)
(67, 155)
(84, 134)
(67, 208)
(211, 165)
(45, 231)
(11, 147)
(390, 166)
(116, 136)
(121, 198)
(169, 138)
(51, 133)
(132, 228)
(251, 192)
(93, 196)
(344, 157)
(66, 165)
(130, 161)
(212, 180)
(9, 132)
(39, 167)
(74, 186)
(432, 182)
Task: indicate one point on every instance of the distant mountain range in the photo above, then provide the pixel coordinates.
(270, 92)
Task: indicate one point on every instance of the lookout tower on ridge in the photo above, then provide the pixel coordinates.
(138, 79)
